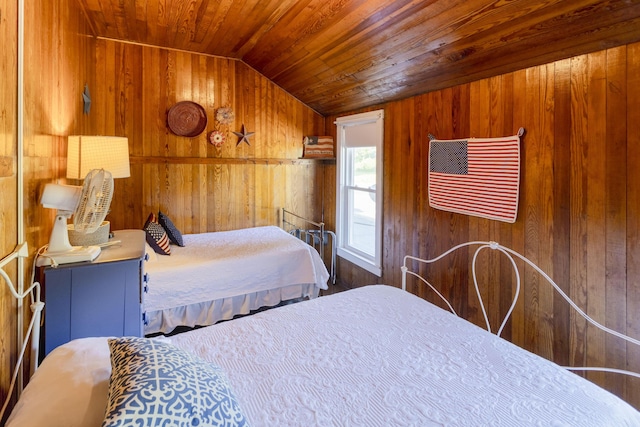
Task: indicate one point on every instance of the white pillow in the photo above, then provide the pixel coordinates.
(69, 389)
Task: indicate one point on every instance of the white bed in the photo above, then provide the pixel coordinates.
(372, 356)
(219, 275)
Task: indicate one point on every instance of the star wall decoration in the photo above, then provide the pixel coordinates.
(243, 136)
(86, 100)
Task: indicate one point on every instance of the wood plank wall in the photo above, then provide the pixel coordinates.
(200, 186)
(58, 65)
(58, 62)
(579, 208)
(8, 185)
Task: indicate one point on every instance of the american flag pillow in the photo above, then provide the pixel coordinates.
(156, 236)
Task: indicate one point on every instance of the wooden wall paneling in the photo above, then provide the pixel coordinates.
(267, 126)
(181, 193)
(397, 188)
(181, 175)
(562, 215)
(213, 215)
(458, 225)
(421, 244)
(578, 206)
(103, 102)
(223, 191)
(420, 241)
(224, 77)
(199, 200)
(520, 118)
(502, 125)
(632, 186)
(494, 288)
(402, 144)
(409, 142)
(279, 194)
(241, 181)
(154, 104)
(480, 108)
(439, 122)
(265, 199)
(486, 230)
(615, 210)
(596, 274)
(547, 208)
(532, 204)
(8, 186)
(244, 177)
(434, 120)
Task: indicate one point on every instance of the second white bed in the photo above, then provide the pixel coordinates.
(219, 275)
(372, 356)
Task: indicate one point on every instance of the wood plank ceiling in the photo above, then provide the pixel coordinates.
(341, 55)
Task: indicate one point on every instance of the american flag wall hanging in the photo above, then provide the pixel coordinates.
(476, 176)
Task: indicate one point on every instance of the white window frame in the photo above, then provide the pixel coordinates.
(373, 264)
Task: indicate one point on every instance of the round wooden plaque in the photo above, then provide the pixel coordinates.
(187, 118)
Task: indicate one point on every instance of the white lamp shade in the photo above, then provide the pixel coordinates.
(85, 153)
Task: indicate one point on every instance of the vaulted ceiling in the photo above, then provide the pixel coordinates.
(341, 55)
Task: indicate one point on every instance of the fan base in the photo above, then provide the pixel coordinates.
(76, 254)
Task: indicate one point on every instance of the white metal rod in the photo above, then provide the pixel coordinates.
(20, 178)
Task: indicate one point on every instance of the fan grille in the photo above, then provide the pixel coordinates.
(97, 192)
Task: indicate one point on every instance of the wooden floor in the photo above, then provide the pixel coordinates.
(333, 289)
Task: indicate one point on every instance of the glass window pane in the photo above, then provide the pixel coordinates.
(358, 192)
(362, 221)
(363, 167)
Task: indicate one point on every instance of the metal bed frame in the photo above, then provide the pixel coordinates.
(314, 234)
(510, 254)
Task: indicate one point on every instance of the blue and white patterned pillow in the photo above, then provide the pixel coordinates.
(154, 383)
(172, 231)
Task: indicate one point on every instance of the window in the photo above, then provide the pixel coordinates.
(359, 189)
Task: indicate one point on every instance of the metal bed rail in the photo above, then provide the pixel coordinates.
(314, 234)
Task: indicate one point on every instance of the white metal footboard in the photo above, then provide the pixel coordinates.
(509, 253)
(314, 234)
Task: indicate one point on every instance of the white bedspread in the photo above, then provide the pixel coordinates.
(373, 356)
(213, 266)
(383, 357)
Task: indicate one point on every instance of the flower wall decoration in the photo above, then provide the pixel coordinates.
(225, 115)
(216, 138)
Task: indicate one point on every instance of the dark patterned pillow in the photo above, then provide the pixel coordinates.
(156, 236)
(174, 234)
(154, 383)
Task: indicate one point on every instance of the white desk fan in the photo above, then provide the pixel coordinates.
(89, 206)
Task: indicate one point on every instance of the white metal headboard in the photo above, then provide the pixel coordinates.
(510, 253)
(22, 251)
